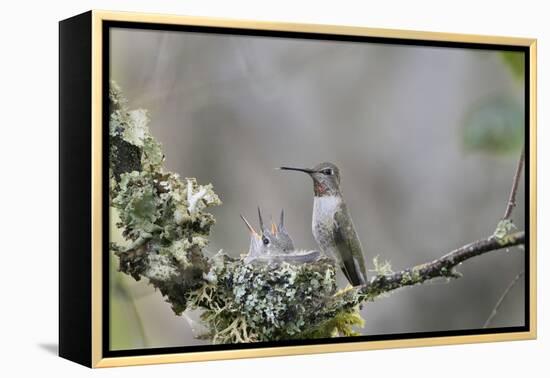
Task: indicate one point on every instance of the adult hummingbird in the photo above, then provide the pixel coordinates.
(332, 225)
(274, 244)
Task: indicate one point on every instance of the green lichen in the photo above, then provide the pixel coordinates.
(166, 225)
(412, 276)
(416, 276)
(341, 324)
(163, 218)
(503, 232)
(381, 268)
(406, 278)
(248, 303)
(160, 268)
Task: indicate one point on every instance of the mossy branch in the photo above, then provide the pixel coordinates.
(166, 227)
(443, 267)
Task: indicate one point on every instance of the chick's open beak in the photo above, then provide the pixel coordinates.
(250, 228)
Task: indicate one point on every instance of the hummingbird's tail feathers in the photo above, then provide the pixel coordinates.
(351, 270)
(346, 273)
(362, 277)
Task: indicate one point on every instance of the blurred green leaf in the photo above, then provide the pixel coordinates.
(516, 62)
(495, 126)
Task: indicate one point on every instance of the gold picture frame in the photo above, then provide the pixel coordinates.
(81, 320)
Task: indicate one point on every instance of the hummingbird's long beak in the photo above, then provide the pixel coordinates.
(306, 170)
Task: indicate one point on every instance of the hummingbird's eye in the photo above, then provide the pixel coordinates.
(328, 171)
(265, 240)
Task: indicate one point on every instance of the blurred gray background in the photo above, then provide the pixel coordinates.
(228, 110)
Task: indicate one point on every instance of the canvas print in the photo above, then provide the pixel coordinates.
(283, 189)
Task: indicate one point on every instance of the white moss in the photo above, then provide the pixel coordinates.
(160, 268)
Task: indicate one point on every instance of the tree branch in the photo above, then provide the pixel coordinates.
(444, 266)
(512, 198)
(441, 267)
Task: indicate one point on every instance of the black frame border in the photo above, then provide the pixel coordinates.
(75, 182)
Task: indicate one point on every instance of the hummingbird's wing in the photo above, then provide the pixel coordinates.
(348, 247)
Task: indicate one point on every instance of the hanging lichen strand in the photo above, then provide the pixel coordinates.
(164, 222)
